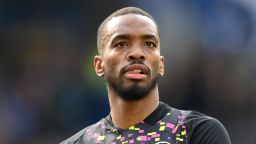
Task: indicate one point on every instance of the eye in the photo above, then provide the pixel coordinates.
(150, 44)
(121, 44)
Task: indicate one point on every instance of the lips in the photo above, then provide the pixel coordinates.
(136, 72)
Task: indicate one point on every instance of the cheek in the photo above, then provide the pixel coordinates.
(112, 65)
(155, 65)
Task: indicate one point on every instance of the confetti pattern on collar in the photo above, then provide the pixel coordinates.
(171, 129)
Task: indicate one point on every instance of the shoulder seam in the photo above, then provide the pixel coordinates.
(74, 138)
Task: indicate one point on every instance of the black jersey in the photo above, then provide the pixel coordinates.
(165, 125)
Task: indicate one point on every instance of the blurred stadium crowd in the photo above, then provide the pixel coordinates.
(49, 90)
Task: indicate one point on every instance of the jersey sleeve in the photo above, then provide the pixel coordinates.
(209, 131)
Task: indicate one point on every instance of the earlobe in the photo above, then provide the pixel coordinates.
(99, 67)
(161, 66)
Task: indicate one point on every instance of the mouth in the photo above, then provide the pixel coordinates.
(136, 72)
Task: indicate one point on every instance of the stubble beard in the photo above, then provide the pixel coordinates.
(133, 92)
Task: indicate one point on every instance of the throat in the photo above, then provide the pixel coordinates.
(127, 113)
(132, 113)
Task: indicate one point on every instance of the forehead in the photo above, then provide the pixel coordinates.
(131, 24)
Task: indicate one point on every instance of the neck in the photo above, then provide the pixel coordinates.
(127, 113)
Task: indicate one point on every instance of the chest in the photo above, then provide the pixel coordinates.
(162, 133)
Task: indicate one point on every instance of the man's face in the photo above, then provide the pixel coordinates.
(130, 60)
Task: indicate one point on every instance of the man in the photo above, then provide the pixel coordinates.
(129, 60)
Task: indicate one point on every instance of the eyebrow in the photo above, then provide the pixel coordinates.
(127, 36)
(121, 36)
(149, 36)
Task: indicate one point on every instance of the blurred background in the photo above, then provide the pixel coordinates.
(49, 90)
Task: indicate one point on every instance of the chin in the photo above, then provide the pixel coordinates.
(136, 84)
(134, 92)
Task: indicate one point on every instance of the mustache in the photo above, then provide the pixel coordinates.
(135, 62)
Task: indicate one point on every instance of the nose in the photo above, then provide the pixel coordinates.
(136, 54)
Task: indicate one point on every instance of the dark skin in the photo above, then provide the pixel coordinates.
(131, 37)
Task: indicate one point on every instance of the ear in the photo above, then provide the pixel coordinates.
(98, 65)
(161, 66)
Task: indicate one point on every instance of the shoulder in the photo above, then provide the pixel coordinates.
(210, 131)
(193, 118)
(81, 136)
(202, 128)
(74, 138)
(205, 129)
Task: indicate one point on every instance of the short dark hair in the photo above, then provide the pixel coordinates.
(120, 12)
